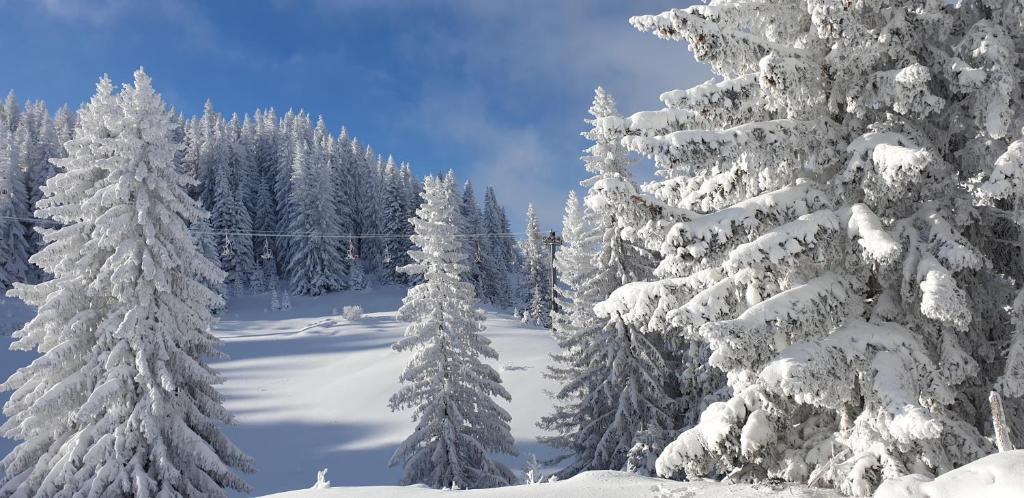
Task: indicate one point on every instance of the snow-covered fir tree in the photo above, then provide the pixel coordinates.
(266, 163)
(474, 243)
(121, 404)
(231, 220)
(574, 268)
(316, 263)
(617, 403)
(14, 241)
(392, 210)
(575, 326)
(458, 423)
(9, 112)
(820, 212)
(536, 293)
(498, 262)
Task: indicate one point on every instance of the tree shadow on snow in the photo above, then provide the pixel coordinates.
(288, 455)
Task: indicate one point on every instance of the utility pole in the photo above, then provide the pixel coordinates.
(553, 240)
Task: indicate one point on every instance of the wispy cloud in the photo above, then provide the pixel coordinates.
(90, 11)
(511, 52)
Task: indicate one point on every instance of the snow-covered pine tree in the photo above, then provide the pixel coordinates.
(450, 388)
(411, 190)
(64, 127)
(474, 245)
(363, 217)
(41, 144)
(617, 402)
(315, 263)
(817, 217)
(232, 223)
(11, 112)
(249, 179)
(536, 294)
(610, 205)
(190, 157)
(266, 163)
(212, 154)
(496, 263)
(205, 240)
(121, 403)
(14, 243)
(393, 210)
(289, 138)
(343, 183)
(574, 325)
(574, 268)
(27, 151)
(650, 392)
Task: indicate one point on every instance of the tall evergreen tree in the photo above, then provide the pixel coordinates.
(315, 263)
(212, 154)
(474, 244)
(459, 424)
(11, 112)
(823, 212)
(536, 293)
(14, 244)
(231, 220)
(121, 403)
(266, 163)
(393, 209)
(617, 404)
(496, 262)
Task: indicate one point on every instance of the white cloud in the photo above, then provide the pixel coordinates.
(91, 11)
(555, 50)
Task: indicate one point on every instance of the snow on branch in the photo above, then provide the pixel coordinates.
(693, 239)
(881, 365)
(902, 90)
(769, 141)
(1007, 175)
(784, 243)
(710, 39)
(863, 225)
(721, 98)
(802, 312)
(646, 304)
(941, 299)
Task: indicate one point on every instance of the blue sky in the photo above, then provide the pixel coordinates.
(495, 89)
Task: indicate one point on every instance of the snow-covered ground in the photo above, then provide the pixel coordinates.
(596, 484)
(996, 476)
(310, 389)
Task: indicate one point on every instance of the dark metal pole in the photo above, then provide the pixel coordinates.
(554, 241)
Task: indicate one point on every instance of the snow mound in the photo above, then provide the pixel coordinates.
(603, 483)
(996, 476)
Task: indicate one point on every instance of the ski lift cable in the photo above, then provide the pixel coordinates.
(261, 233)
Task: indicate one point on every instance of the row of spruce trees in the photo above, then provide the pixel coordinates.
(824, 282)
(287, 200)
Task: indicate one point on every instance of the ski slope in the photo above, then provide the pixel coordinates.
(310, 389)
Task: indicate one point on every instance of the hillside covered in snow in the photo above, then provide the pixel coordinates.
(310, 389)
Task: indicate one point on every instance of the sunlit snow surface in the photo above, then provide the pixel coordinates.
(596, 484)
(310, 389)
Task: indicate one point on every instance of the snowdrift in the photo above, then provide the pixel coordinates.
(996, 476)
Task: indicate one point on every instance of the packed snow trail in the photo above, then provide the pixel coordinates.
(309, 389)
